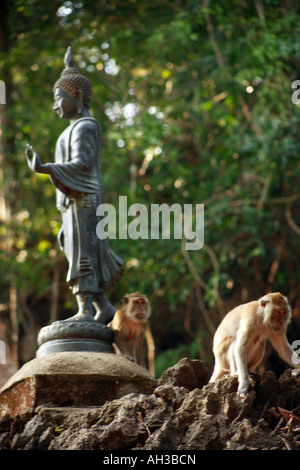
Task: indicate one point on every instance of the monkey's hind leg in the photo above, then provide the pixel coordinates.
(231, 360)
(217, 373)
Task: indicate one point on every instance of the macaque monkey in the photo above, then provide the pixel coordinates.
(131, 327)
(240, 340)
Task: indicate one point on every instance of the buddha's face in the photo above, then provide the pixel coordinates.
(65, 106)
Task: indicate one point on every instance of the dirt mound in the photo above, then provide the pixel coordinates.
(184, 412)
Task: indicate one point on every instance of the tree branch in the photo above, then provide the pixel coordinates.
(289, 219)
(211, 33)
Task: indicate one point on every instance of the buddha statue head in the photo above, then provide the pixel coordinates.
(74, 87)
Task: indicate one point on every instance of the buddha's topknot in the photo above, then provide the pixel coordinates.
(71, 80)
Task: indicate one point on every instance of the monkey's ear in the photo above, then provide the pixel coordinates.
(125, 299)
(264, 302)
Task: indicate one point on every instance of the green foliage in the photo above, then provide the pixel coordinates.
(195, 106)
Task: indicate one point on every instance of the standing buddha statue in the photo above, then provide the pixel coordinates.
(93, 266)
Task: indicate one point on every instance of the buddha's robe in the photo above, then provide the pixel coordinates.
(76, 173)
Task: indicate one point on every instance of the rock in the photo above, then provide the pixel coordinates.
(171, 395)
(176, 415)
(186, 373)
(289, 387)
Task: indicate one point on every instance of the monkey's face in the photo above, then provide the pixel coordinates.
(138, 307)
(277, 310)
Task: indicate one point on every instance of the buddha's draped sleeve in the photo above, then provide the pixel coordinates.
(78, 173)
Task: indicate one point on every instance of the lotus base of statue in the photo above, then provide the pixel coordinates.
(77, 336)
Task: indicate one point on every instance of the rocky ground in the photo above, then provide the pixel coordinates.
(183, 413)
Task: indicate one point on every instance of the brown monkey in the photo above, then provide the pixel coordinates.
(240, 340)
(131, 326)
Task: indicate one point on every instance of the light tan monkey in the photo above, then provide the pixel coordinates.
(131, 327)
(240, 340)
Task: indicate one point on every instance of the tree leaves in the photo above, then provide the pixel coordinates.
(195, 104)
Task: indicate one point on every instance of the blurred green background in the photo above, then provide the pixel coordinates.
(194, 99)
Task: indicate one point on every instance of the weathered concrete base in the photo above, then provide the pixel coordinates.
(77, 379)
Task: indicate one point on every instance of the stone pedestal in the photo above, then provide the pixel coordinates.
(77, 336)
(72, 379)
